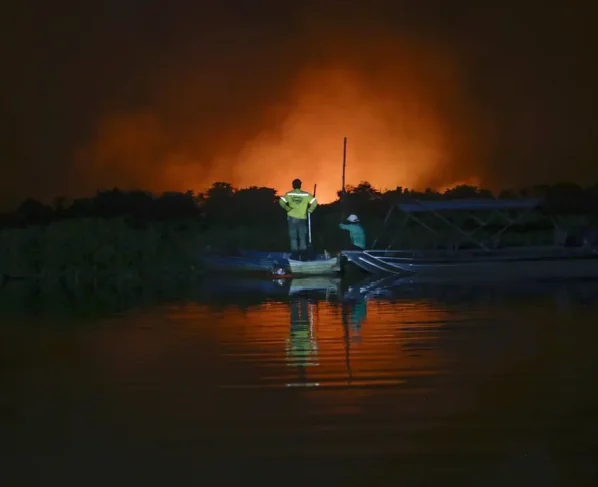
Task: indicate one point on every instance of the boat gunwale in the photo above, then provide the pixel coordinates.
(567, 254)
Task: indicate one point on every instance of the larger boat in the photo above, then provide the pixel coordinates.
(469, 256)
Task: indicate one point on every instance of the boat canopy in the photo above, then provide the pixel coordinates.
(418, 206)
(496, 207)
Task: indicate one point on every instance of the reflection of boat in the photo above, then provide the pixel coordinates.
(241, 289)
(247, 287)
(486, 259)
(316, 283)
(267, 262)
(449, 290)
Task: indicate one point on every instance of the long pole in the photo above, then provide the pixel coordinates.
(344, 161)
(309, 219)
(342, 199)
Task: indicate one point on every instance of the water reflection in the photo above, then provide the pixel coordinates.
(21, 299)
(302, 345)
(433, 377)
(355, 312)
(564, 295)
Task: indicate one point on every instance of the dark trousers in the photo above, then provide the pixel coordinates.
(298, 234)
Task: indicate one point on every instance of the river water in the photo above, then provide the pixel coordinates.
(311, 382)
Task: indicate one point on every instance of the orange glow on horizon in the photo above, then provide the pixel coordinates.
(403, 112)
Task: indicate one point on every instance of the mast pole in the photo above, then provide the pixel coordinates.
(344, 161)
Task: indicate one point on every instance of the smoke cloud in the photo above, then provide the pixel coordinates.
(273, 112)
(177, 95)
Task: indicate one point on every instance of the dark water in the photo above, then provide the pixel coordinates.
(235, 383)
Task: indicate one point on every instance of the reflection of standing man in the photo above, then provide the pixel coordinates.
(302, 348)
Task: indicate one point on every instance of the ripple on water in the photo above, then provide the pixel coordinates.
(279, 377)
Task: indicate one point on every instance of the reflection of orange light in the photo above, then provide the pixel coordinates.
(399, 115)
(382, 353)
(302, 344)
(251, 336)
(231, 348)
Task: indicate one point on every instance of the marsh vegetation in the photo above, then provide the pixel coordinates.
(135, 235)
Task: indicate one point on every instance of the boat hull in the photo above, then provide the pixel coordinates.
(567, 265)
(315, 267)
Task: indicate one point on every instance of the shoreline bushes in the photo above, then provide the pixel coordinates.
(91, 248)
(136, 235)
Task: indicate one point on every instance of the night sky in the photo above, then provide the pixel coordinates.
(176, 95)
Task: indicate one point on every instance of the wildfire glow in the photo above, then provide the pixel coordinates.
(401, 105)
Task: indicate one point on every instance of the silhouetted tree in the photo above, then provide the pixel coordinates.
(33, 212)
(80, 208)
(109, 204)
(218, 203)
(464, 191)
(363, 191)
(567, 197)
(507, 194)
(176, 205)
(221, 191)
(255, 204)
(255, 209)
(60, 203)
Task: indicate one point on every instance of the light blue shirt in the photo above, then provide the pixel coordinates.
(356, 232)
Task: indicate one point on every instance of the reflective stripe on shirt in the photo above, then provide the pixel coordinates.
(312, 200)
(297, 194)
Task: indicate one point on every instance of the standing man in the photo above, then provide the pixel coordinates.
(298, 203)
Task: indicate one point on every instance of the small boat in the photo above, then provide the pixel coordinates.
(315, 267)
(486, 259)
(277, 263)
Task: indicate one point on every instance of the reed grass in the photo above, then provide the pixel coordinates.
(85, 250)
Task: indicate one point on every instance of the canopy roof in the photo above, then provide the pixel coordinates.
(418, 206)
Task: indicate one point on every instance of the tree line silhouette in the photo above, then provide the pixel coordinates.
(224, 204)
(138, 235)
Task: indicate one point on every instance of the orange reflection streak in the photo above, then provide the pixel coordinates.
(402, 106)
(316, 342)
(378, 348)
(228, 348)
